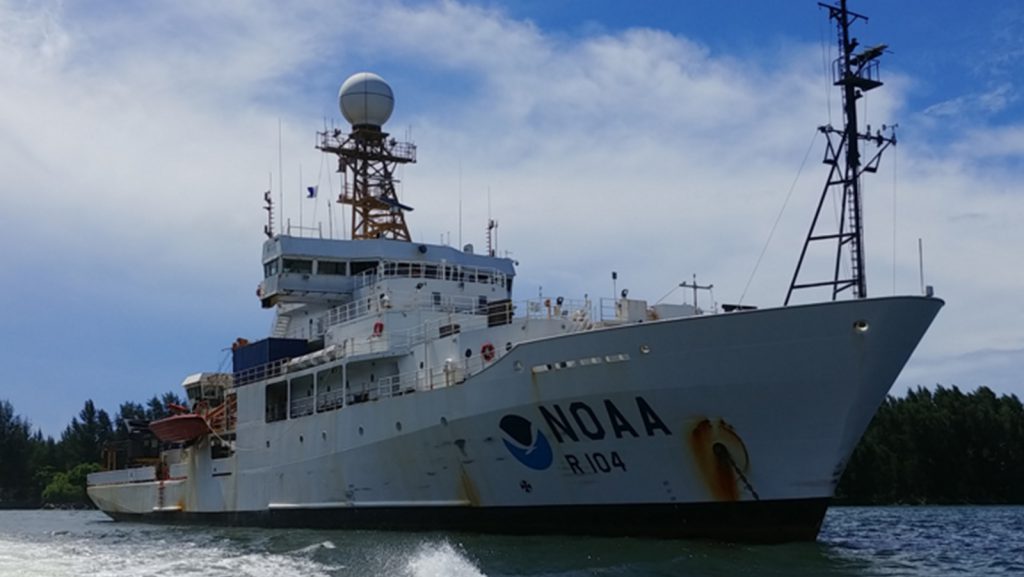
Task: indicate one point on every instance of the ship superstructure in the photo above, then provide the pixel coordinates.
(403, 387)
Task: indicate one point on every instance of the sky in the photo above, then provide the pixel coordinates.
(657, 139)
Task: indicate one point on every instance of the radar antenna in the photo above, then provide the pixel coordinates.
(855, 73)
(268, 205)
(368, 157)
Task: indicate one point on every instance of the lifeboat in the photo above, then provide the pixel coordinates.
(180, 428)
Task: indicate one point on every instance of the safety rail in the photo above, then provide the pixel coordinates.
(301, 407)
(577, 311)
(609, 309)
(388, 342)
(430, 271)
(578, 314)
(360, 308)
(452, 373)
(260, 372)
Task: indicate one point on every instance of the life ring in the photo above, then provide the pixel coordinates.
(378, 328)
(487, 352)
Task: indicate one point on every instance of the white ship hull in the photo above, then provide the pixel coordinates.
(605, 431)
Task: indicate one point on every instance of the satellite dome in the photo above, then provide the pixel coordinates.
(366, 99)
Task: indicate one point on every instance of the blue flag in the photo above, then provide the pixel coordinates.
(310, 192)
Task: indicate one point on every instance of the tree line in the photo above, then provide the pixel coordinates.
(939, 446)
(943, 447)
(37, 470)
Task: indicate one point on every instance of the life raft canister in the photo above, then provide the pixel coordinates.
(487, 352)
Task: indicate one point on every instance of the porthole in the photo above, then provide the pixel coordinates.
(360, 431)
(469, 353)
(398, 425)
(861, 326)
(301, 440)
(444, 422)
(644, 349)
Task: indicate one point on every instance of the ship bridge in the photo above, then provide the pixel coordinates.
(315, 270)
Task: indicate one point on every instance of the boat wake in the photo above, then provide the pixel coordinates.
(440, 560)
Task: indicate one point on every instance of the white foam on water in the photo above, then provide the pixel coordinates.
(76, 557)
(316, 547)
(440, 560)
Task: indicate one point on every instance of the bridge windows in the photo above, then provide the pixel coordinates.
(296, 265)
(361, 266)
(331, 267)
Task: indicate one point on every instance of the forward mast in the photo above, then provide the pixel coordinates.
(855, 73)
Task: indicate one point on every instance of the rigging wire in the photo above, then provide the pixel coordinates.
(330, 205)
(826, 57)
(669, 293)
(319, 181)
(778, 218)
(895, 173)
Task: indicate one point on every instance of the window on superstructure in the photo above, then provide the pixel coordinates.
(361, 266)
(331, 267)
(296, 265)
(221, 448)
(430, 271)
(301, 398)
(271, 268)
(329, 391)
(276, 407)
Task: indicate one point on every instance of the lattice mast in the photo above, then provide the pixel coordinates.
(368, 157)
(854, 73)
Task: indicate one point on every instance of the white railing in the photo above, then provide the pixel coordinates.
(301, 407)
(365, 306)
(260, 372)
(430, 271)
(329, 400)
(577, 311)
(452, 373)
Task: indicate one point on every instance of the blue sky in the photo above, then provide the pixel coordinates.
(658, 139)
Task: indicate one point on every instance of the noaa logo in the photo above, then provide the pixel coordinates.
(528, 445)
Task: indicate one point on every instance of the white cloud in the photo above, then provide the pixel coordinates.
(984, 103)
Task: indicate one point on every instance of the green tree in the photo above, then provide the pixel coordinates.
(941, 446)
(82, 441)
(70, 488)
(15, 451)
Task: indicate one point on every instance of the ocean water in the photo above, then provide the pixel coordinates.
(855, 541)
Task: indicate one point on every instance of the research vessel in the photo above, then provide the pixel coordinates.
(403, 388)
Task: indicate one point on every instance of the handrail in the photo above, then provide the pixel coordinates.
(260, 372)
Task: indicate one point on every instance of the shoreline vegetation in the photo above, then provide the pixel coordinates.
(928, 447)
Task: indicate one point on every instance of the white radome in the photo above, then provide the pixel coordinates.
(366, 99)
